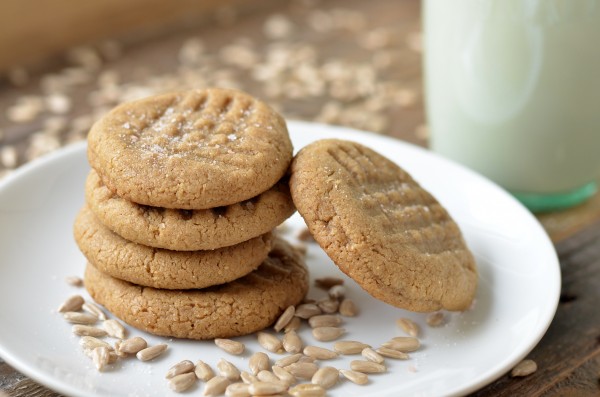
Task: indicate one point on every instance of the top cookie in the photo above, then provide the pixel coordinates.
(381, 228)
(190, 150)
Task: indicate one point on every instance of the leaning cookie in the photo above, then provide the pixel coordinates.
(189, 230)
(381, 228)
(160, 268)
(237, 308)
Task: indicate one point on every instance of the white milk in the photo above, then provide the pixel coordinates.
(513, 89)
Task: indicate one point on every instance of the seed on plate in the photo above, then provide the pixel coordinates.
(269, 342)
(100, 357)
(325, 320)
(292, 342)
(266, 388)
(408, 326)
(337, 292)
(326, 377)
(403, 343)
(348, 308)
(284, 375)
(435, 319)
(328, 282)
(237, 390)
(524, 368)
(216, 386)
(328, 305)
(203, 371)
(150, 353)
(307, 390)
(285, 361)
(285, 318)
(355, 377)
(228, 370)
(307, 310)
(248, 378)
(74, 281)
(90, 343)
(372, 355)
(72, 304)
(112, 357)
(267, 376)
(326, 334)
(319, 353)
(87, 330)
(115, 329)
(391, 353)
(94, 309)
(132, 345)
(230, 346)
(182, 382)
(80, 318)
(367, 367)
(182, 367)
(293, 325)
(349, 346)
(302, 370)
(305, 235)
(258, 361)
(306, 359)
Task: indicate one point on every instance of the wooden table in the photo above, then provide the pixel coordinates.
(378, 38)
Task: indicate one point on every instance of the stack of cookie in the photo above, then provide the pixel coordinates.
(180, 204)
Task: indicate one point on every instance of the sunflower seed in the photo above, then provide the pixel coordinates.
(524, 368)
(325, 320)
(228, 370)
(87, 330)
(150, 353)
(216, 386)
(80, 318)
(230, 346)
(307, 310)
(132, 345)
(182, 382)
(372, 355)
(237, 390)
(112, 357)
(285, 361)
(118, 351)
(348, 308)
(258, 361)
(306, 359)
(326, 377)
(302, 370)
(408, 326)
(90, 343)
(435, 319)
(337, 292)
(267, 376)
(328, 282)
(266, 388)
(326, 334)
(94, 309)
(319, 353)
(115, 329)
(72, 304)
(293, 325)
(292, 342)
(100, 357)
(284, 375)
(391, 353)
(349, 347)
(367, 367)
(355, 377)
(307, 390)
(270, 342)
(248, 378)
(328, 305)
(182, 367)
(285, 318)
(403, 344)
(74, 281)
(203, 371)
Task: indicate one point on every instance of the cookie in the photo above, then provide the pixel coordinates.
(240, 307)
(189, 230)
(381, 228)
(160, 268)
(190, 150)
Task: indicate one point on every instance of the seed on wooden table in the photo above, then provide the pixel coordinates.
(367, 367)
(72, 304)
(100, 357)
(216, 386)
(269, 342)
(230, 346)
(403, 343)
(348, 308)
(87, 330)
(94, 309)
(258, 361)
(524, 368)
(435, 319)
(325, 320)
(182, 367)
(182, 382)
(349, 347)
(307, 390)
(133, 345)
(307, 310)
(293, 325)
(267, 376)
(337, 292)
(285, 361)
(90, 343)
(326, 377)
(115, 329)
(74, 281)
(372, 355)
(292, 342)
(328, 282)
(203, 371)
(391, 353)
(328, 305)
(80, 318)
(284, 375)
(408, 326)
(266, 388)
(319, 353)
(248, 378)
(355, 377)
(285, 318)
(302, 370)
(228, 370)
(237, 390)
(150, 353)
(326, 334)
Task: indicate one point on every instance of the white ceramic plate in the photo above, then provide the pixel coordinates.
(517, 296)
